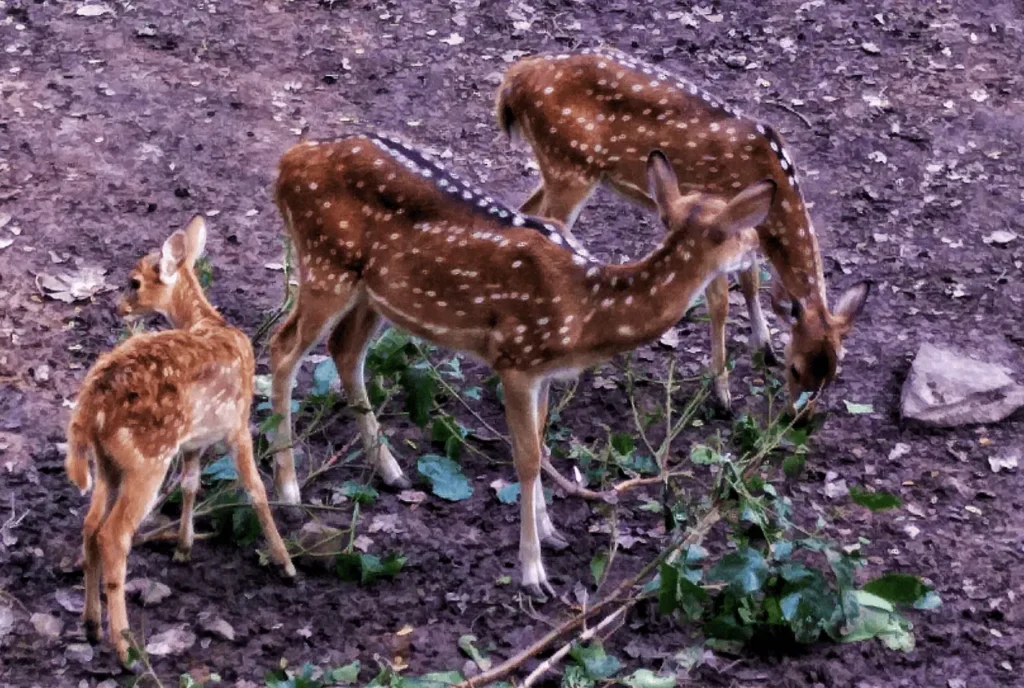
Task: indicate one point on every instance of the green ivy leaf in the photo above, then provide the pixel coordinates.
(793, 465)
(509, 494)
(597, 566)
(223, 469)
(595, 662)
(875, 501)
(367, 568)
(445, 476)
(645, 678)
(858, 409)
(466, 644)
(446, 430)
(703, 455)
(876, 618)
(419, 390)
(323, 375)
(358, 492)
(346, 674)
(623, 443)
(898, 588)
(745, 571)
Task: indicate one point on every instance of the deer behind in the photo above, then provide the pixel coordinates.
(151, 397)
(593, 117)
(380, 232)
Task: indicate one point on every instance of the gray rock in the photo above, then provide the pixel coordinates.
(150, 592)
(947, 388)
(173, 641)
(216, 626)
(47, 625)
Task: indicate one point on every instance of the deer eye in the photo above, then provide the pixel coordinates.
(134, 284)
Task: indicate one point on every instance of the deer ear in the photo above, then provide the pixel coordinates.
(195, 239)
(172, 255)
(749, 208)
(851, 303)
(661, 181)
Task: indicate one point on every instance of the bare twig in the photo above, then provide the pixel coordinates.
(551, 661)
(783, 106)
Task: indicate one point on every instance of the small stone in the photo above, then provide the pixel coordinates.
(47, 625)
(1004, 462)
(79, 652)
(42, 373)
(70, 601)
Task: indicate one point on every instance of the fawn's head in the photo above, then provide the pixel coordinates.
(816, 339)
(719, 233)
(157, 278)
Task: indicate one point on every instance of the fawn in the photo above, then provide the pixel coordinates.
(593, 117)
(154, 395)
(379, 231)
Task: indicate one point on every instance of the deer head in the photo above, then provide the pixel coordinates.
(163, 281)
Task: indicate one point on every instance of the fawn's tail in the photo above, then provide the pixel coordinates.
(80, 448)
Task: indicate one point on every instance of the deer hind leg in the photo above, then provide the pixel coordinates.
(249, 476)
(311, 316)
(521, 407)
(560, 197)
(135, 496)
(189, 488)
(549, 535)
(750, 283)
(717, 294)
(99, 507)
(347, 345)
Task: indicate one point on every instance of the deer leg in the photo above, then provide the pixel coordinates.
(549, 535)
(99, 507)
(136, 495)
(750, 283)
(189, 488)
(533, 204)
(305, 326)
(717, 294)
(563, 199)
(521, 407)
(347, 345)
(249, 476)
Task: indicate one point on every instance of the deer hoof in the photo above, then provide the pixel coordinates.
(182, 556)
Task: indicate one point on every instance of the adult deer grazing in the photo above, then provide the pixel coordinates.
(155, 395)
(593, 117)
(379, 232)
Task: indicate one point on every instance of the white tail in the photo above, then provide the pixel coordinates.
(151, 397)
(593, 118)
(380, 231)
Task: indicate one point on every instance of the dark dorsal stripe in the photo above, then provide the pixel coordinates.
(468, 195)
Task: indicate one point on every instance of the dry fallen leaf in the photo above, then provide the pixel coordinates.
(670, 338)
(412, 496)
(93, 10)
(870, 48)
(454, 39)
(1000, 237)
(5, 242)
(69, 287)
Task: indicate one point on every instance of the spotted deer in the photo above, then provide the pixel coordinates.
(381, 232)
(591, 118)
(153, 396)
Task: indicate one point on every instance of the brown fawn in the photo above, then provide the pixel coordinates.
(154, 395)
(379, 231)
(593, 117)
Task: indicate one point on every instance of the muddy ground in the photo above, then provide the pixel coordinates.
(905, 119)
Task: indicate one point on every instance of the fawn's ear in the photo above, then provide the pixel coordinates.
(749, 208)
(661, 181)
(172, 255)
(850, 304)
(195, 239)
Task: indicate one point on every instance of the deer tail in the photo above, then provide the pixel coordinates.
(80, 449)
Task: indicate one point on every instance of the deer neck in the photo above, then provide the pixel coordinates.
(629, 305)
(189, 307)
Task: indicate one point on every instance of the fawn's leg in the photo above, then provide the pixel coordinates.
(549, 535)
(136, 495)
(347, 345)
(533, 204)
(249, 476)
(99, 507)
(189, 488)
(717, 294)
(312, 315)
(760, 340)
(521, 407)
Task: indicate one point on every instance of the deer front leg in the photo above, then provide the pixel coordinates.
(189, 488)
(549, 535)
(347, 345)
(760, 340)
(717, 294)
(521, 409)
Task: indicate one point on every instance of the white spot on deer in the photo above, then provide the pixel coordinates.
(312, 186)
(625, 330)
